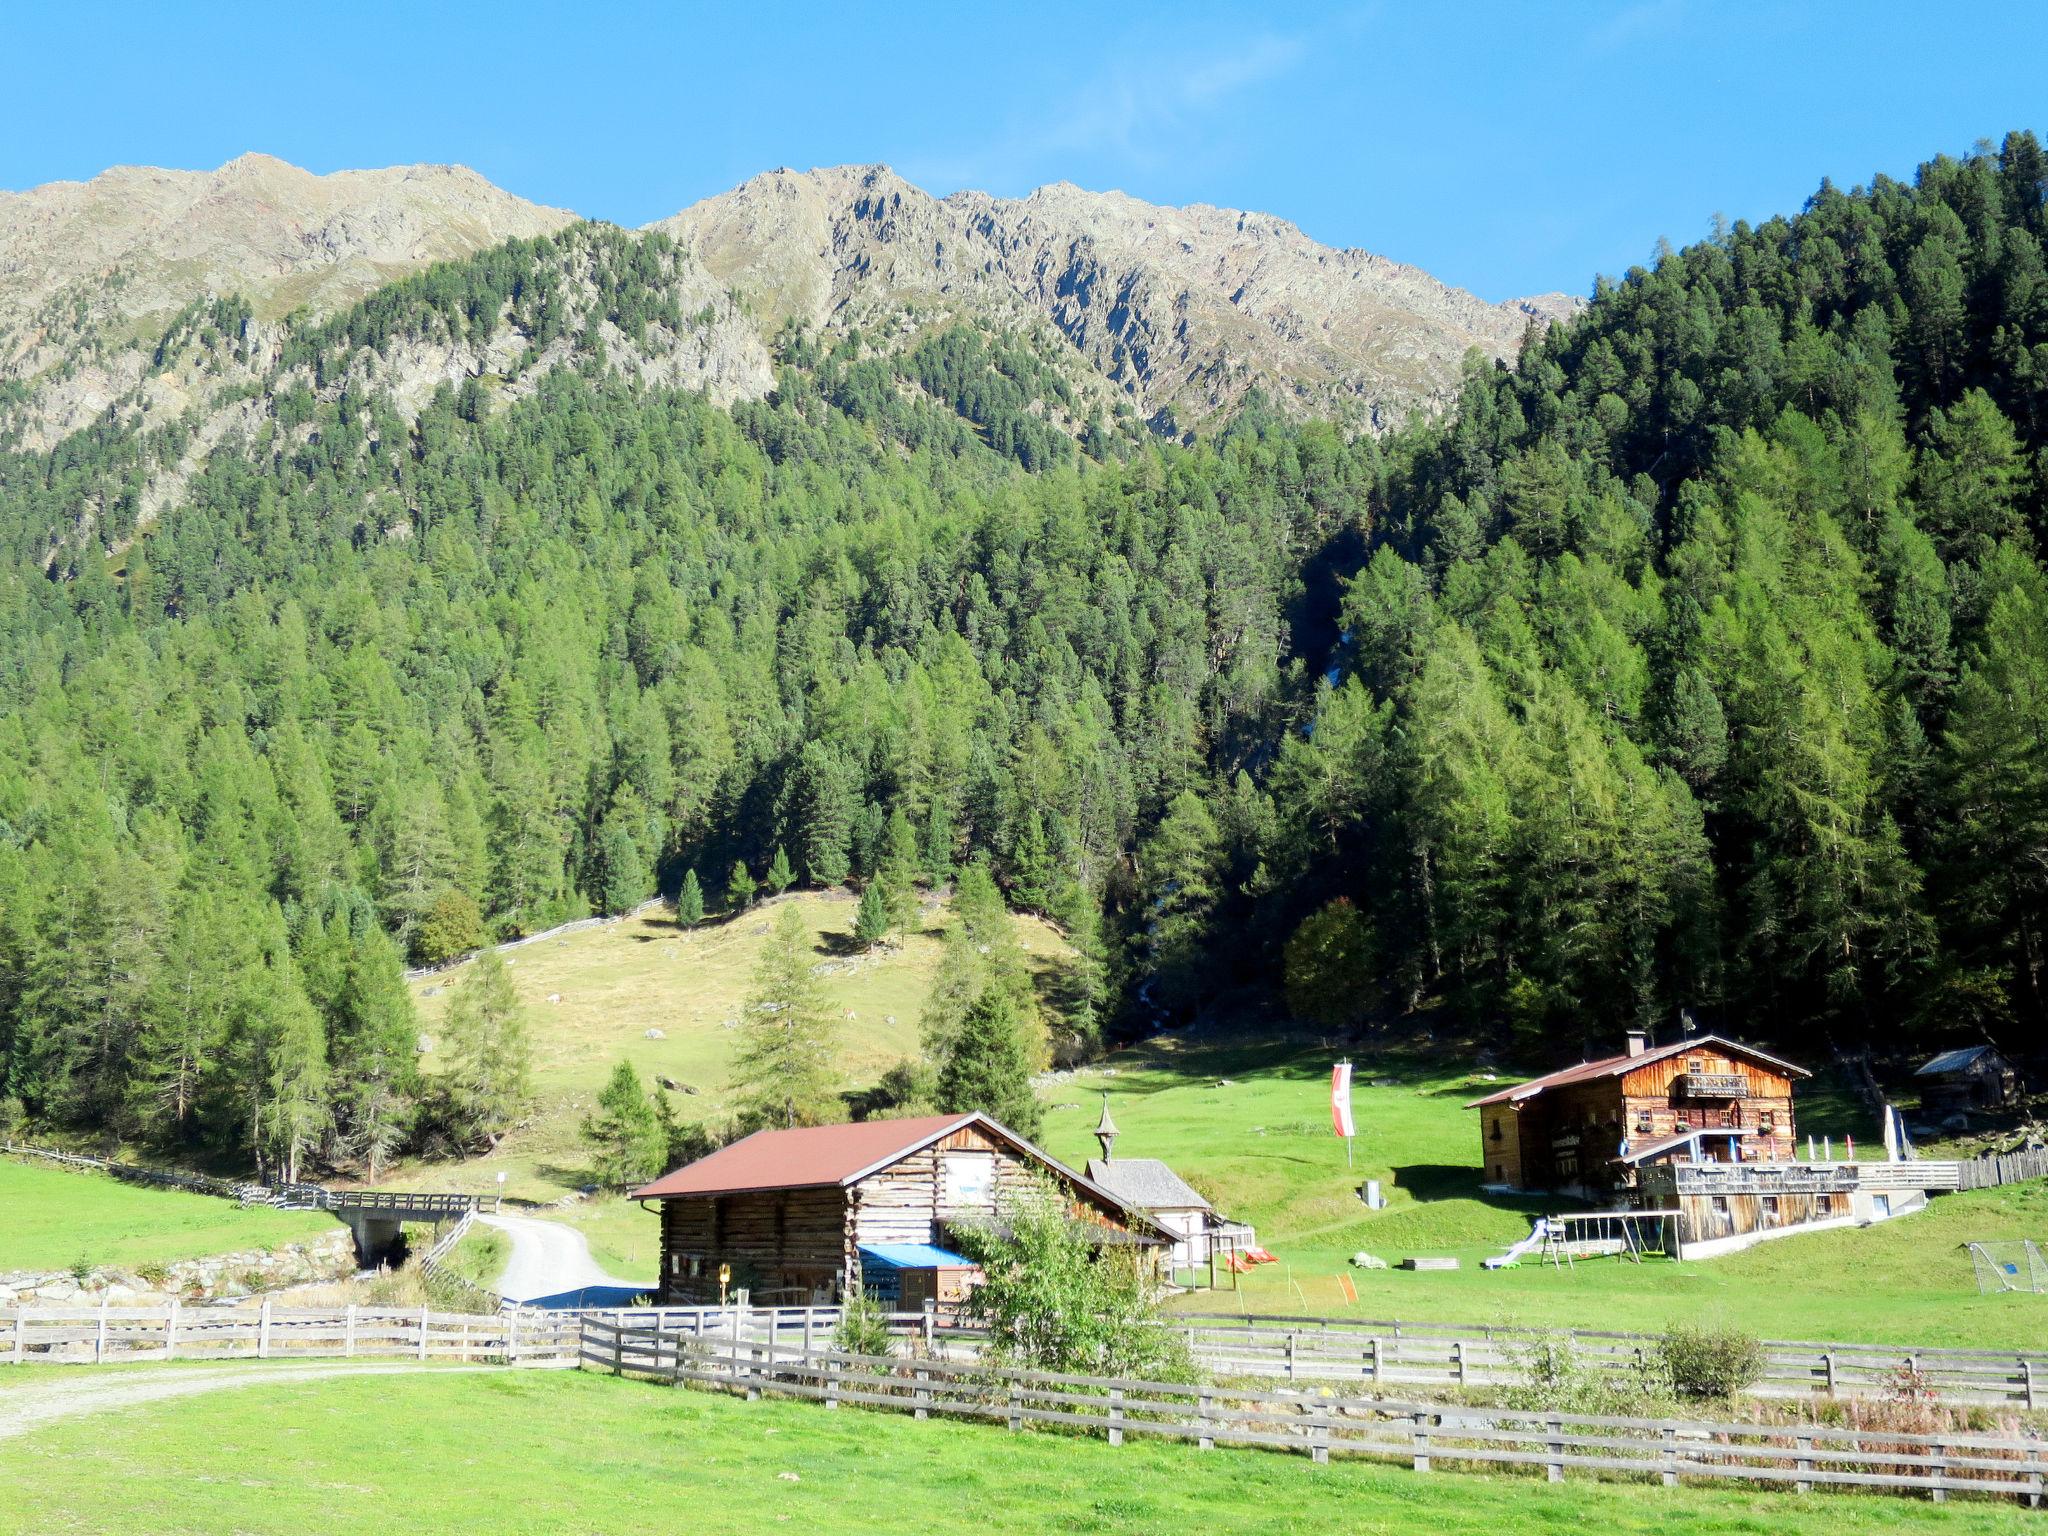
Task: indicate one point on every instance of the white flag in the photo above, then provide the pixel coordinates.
(1340, 1100)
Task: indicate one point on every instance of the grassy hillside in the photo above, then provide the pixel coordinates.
(631, 1458)
(1250, 1127)
(617, 981)
(50, 1218)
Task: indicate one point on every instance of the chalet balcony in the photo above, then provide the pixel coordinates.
(1672, 1180)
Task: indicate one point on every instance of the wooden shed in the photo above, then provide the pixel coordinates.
(788, 1212)
(1577, 1128)
(1970, 1077)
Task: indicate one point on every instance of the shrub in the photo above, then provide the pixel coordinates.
(1710, 1362)
(1051, 1300)
(863, 1326)
(1556, 1380)
(13, 1114)
(452, 926)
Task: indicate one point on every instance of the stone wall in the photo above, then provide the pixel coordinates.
(331, 1256)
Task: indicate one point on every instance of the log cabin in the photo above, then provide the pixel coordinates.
(820, 1212)
(1590, 1126)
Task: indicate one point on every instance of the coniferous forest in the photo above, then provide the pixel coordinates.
(1698, 662)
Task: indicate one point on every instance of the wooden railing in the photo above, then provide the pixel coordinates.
(396, 1204)
(1426, 1436)
(2004, 1168)
(1425, 1355)
(104, 1334)
(1433, 1356)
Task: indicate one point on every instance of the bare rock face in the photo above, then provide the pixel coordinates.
(1182, 309)
(136, 242)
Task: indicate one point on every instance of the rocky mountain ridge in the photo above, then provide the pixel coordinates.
(1176, 313)
(1182, 309)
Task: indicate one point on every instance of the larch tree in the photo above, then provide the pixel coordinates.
(787, 1072)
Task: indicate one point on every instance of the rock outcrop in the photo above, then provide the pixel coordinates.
(1184, 310)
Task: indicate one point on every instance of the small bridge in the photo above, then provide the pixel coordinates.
(375, 1216)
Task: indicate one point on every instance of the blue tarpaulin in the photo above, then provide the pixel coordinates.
(912, 1256)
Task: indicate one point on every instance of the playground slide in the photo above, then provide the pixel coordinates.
(1526, 1246)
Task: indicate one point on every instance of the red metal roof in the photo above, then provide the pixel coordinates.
(808, 1157)
(1615, 1066)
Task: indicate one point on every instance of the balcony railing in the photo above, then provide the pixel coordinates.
(1712, 1085)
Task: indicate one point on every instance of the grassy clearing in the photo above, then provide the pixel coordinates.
(480, 1257)
(618, 981)
(629, 1457)
(51, 1218)
(1261, 1148)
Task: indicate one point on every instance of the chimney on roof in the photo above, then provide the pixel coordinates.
(1105, 1130)
(1638, 1042)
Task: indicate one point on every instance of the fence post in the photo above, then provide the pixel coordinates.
(1553, 1471)
(810, 1321)
(1804, 1483)
(1458, 1361)
(754, 1371)
(1939, 1469)
(348, 1332)
(1372, 1359)
(1293, 1340)
(465, 1338)
(1319, 1440)
(618, 1349)
(1016, 1408)
(1418, 1439)
(171, 1331)
(99, 1340)
(2027, 1382)
(423, 1333)
(1827, 1361)
(1207, 1439)
(1116, 1416)
(2036, 1478)
(1670, 1477)
(832, 1369)
(263, 1331)
(921, 1393)
(931, 1324)
(20, 1333)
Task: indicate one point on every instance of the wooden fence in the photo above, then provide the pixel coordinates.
(1436, 1356)
(2004, 1168)
(105, 1334)
(392, 1204)
(1441, 1355)
(1426, 1436)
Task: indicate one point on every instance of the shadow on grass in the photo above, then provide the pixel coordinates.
(1429, 1182)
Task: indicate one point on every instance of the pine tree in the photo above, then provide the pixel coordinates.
(871, 924)
(627, 1141)
(739, 887)
(489, 1075)
(786, 1072)
(987, 1066)
(690, 901)
(780, 876)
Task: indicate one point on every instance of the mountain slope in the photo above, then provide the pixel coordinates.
(90, 272)
(1182, 309)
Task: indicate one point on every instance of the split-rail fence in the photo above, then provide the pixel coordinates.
(1426, 1436)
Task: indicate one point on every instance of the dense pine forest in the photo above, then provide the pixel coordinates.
(1698, 662)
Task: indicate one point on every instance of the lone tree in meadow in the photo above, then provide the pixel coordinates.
(490, 1066)
(627, 1139)
(871, 924)
(787, 1070)
(690, 901)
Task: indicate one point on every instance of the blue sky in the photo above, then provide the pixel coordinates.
(1507, 148)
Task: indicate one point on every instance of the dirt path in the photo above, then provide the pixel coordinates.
(78, 1391)
(551, 1266)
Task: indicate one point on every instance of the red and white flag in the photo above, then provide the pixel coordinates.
(1340, 1100)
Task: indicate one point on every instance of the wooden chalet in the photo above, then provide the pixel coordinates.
(1590, 1127)
(817, 1213)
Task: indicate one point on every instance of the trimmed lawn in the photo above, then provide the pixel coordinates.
(1250, 1127)
(51, 1218)
(617, 981)
(532, 1452)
